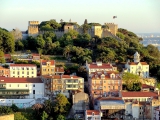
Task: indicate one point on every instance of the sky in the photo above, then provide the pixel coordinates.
(139, 16)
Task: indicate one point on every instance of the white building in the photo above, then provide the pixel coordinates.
(93, 115)
(137, 67)
(20, 91)
(99, 67)
(23, 70)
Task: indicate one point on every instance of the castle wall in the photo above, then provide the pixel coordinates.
(112, 27)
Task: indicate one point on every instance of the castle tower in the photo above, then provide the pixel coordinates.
(33, 28)
(112, 27)
(136, 57)
(97, 31)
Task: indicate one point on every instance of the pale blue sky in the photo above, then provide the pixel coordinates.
(139, 16)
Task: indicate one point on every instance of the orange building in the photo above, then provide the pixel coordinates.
(105, 84)
(4, 72)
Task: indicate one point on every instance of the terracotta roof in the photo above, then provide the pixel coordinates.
(44, 62)
(60, 76)
(147, 86)
(35, 55)
(59, 69)
(135, 63)
(103, 66)
(22, 65)
(20, 80)
(7, 55)
(109, 98)
(139, 94)
(4, 68)
(90, 112)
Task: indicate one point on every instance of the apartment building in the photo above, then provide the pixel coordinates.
(23, 70)
(21, 88)
(93, 115)
(64, 84)
(99, 67)
(47, 67)
(105, 84)
(4, 72)
(141, 105)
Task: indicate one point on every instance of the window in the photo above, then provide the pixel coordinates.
(13, 72)
(26, 85)
(27, 73)
(104, 86)
(18, 73)
(48, 69)
(32, 72)
(9, 85)
(27, 68)
(22, 68)
(18, 85)
(33, 91)
(22, 72)
(104, 81)
(33, 85)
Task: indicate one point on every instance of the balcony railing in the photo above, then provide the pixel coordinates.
(13, 92)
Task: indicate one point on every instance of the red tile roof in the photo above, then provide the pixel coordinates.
(22, 65)
(139, 94)
(20, 80)
(147, 86)
(59, 69)
(7, 55)
(135, 63)
(60, 76)
(103, 66)
(44, 62)
(96, 112)
(35, 55)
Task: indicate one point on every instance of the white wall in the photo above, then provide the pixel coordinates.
(39, 88)
(21, 103)
(135, 111)
(128, 107)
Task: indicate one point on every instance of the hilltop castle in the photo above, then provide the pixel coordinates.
(95, 30)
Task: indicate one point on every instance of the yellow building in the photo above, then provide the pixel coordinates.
(47, 67)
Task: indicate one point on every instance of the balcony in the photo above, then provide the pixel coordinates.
(2, 86)
(13, 92)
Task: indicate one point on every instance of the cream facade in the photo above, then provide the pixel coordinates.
(137, 67)
(23, 70)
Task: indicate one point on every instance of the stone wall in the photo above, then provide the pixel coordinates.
(7, 117)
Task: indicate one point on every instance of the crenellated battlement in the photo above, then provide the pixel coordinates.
(33, 29)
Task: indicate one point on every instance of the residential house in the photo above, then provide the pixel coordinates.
(64, 84)
(141, 105)
(35, 57)
(93, 115)
(99, 67)
(4, 72)
(23, 70)
(21, 88)
(105, 84)
(137, 67)
(47, 67)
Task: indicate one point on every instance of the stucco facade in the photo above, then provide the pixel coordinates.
(47, 67)
(5, 72)
(63, 84)
(23, 70)
(137, 67)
